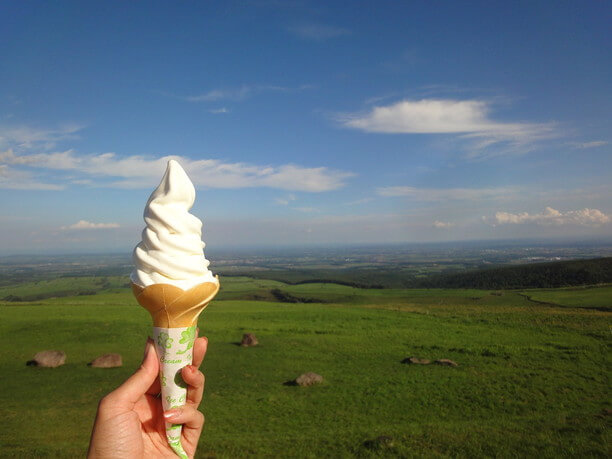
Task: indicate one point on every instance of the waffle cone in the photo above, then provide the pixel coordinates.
(173, 307)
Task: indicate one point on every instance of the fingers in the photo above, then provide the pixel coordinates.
(199, 350)
(155, 388)
(141, 381)
(195, 379)
(187, 415)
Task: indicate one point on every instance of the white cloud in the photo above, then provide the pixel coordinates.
(443, 194)
(240, 93)
(467, 118)
(550, 216)
(317, 32)
(85, 225)
(286, 200)
(443, 225)
(221, 94)
(592, 144)
(12, 179)
(144, 172)
(25, 137)
(219, 111)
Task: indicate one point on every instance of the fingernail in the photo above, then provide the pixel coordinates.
(148, 347)
(173, 413)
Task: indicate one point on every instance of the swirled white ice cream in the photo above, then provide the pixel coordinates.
(171, 250)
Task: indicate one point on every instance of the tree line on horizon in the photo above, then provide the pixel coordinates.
(538, 275)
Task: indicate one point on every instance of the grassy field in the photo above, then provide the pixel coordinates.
(576, 297)
(532, 379)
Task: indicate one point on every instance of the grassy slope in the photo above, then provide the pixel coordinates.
(64, 286)
(532, 380)
(575, 297)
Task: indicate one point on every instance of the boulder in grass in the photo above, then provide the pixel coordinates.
(446, 363)
(107, 361)
(308, 379)
(248, 340)
(416, 361)
(48, 359)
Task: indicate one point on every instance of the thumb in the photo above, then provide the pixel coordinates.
(138, 384)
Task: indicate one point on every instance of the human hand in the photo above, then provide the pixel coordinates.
(130, 422)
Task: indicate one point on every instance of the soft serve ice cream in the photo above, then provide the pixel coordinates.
(171, 251)
(172, 281)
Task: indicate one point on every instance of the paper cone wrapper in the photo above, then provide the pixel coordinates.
(175, 351)
(175, 315)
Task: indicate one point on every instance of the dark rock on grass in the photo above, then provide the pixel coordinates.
(446, 363)
(416, 361)
(381, 442)
(308, 379)
(48, 359)
(248, 340)
(107, 361)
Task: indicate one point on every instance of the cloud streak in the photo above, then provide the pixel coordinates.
(12, 179)
(468, 119)
(241, 93)
(85, 225)
(550, 216)
(219, 111)
(442, 225)
(592, 144)
(27, 137)
(285, 201)
(143, 172)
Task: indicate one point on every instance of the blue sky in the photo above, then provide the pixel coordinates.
(305, 122)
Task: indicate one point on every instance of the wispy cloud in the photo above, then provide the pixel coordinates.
(468, 119)
(12, 179)
(317, 32)
(110, 170)
(241, 93)
(221, 94)
(592, 144)
(444, 194)
(442, 225)
(85, 225)
(27, 137)
(550, 216)
(219, 111)
(286, 200)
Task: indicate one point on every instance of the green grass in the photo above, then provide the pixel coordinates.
(533, 380)
(65, 286)
(578, 297)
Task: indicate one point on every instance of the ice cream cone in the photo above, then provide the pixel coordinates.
(172, 281)
(172, 307)
(175, 316)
